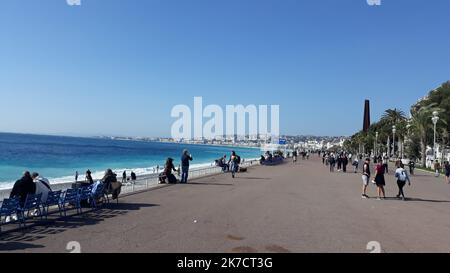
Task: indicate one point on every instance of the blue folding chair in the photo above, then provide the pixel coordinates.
(8, 208)
(53, 199)
(32, 202)
(84, 195)
(97, 194)
(70, 197)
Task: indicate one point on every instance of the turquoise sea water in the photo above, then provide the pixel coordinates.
(58, 158)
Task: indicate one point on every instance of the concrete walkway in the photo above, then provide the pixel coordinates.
(287, 208)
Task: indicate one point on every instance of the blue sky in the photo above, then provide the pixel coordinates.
(118, 67)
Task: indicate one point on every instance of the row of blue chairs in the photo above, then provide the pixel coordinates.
(62, 200)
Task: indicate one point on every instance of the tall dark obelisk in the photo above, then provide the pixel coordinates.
(366, 124)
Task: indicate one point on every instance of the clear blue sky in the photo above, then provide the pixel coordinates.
(118, 67)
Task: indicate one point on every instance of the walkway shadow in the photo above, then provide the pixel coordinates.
(427, 200)
(11, 246)
(416, 200)
(55, 224)
(209, 184)
(254, 178)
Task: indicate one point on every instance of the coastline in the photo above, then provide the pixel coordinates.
(143, 180)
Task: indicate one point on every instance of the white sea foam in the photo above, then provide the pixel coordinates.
(98, 174)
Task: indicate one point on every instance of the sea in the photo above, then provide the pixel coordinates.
(59, 157)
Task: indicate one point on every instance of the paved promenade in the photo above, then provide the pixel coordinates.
(287, 208)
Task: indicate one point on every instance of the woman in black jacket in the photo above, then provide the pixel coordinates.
(23, 187)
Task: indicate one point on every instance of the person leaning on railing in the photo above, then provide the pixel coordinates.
(185, 158)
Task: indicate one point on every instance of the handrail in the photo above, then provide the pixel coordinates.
(148, 180)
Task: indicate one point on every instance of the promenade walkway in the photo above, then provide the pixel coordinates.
(286, 208)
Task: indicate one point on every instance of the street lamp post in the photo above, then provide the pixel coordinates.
(407, 138)
(394, 129)
(376, 144)
(435, 120)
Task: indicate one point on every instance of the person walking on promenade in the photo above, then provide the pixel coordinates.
(124, 177)
(402, 177)
(412, 166)
(234, 163)
(23, 187)
(380, 181)
(88, 178)
(332, 162)
(76, 176)
(339, 162)
(344, 163)
(385, 163)
(185, 158)
(133, 177)
(356, 164)
(323, 159)
(365, 177)
(447, 171)
(437, 168)
(327, 159)
(294, 156)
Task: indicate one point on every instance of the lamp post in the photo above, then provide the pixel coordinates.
(394, 129)
(434, 119)
(376, 144)
(408, 125)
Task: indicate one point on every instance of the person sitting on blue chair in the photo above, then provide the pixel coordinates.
(23, 187)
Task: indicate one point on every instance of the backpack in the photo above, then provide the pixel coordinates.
(402, 176)
(238, 159)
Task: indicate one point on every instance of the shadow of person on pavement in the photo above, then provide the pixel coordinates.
(427, 200)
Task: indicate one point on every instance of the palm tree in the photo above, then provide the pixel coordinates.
(395, 117)
(422, 125)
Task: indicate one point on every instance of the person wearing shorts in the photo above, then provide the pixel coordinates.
(366, 178)
(447, 171)
(380, 181)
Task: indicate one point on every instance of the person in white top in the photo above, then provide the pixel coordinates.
(402, 178)
(42, 186)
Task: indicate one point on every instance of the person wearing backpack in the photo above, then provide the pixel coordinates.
(402, 178)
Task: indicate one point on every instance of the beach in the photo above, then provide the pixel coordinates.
(58, 157)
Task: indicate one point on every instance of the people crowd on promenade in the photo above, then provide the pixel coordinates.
(340, 160)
